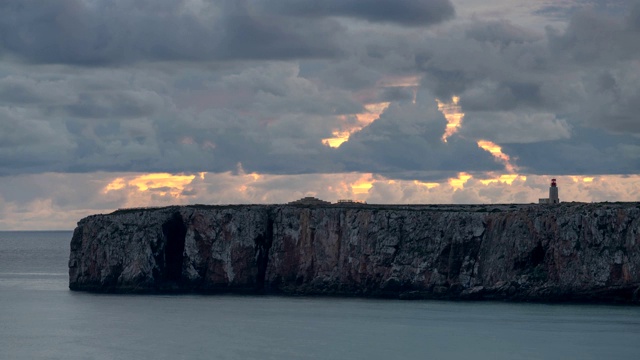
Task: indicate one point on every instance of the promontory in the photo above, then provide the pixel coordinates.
(578, 252)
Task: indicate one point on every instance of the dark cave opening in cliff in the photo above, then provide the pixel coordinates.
(174, 231)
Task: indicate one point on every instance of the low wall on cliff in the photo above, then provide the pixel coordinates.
(568, 252)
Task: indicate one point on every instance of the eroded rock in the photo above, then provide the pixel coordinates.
(569, 252)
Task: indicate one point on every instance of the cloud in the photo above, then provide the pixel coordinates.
(515, 127)
(597, 37)
(165, 86)
(408, 137)
(501, 33)
(115, 104)
(57, 201)
(589, 151)
(613, 100)
(400, 12)
(104, 33)
(27, 91)
(29, 143)
(116, 33)
(119, 89)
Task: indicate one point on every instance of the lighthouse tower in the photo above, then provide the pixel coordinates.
(553, 193)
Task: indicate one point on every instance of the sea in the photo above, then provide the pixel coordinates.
(40, 318)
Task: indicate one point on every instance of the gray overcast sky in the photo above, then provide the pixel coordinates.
(101, 93)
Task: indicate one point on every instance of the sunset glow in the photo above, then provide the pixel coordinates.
(400, 81)
(388, 102)
(116, 184)
(496, 151)
(504, 179)
(458, 183)
(429, 185)
(585, 179)
(338, 138)
(373, 112)
(412, 82)
(253, 188)
(163, 183)
(454, 115)
(363, 185)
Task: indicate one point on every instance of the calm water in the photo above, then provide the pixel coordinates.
(41, 319)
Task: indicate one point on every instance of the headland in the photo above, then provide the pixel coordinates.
(576, 252)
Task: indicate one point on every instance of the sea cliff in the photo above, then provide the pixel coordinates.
(568, 252)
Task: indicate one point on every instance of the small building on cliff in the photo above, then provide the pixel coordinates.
(350, 202)
(309, 200)
(553, 194)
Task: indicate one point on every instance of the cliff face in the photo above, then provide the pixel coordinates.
(569, 252)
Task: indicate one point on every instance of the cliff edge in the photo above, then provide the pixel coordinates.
(568, 252)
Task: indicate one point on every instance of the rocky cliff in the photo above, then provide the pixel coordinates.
(568, 252)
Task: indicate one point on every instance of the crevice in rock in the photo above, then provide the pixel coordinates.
(532, 259)
(537, 255)
(174, 231)
(263, 245)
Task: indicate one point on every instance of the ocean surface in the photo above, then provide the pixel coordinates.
(41, 319)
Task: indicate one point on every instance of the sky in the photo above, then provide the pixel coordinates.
(108, 104)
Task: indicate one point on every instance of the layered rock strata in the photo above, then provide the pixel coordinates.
(568, 252)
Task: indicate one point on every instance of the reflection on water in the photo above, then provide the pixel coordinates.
(41, 318)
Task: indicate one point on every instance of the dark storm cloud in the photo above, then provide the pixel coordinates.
(401, 12)
(565, 9)
(557, 102)
(160, 89)
(509, 62)
(606, 49)
(614, 100)
(250, 37)
(31, 144)
(586, 73)
(515, 127)
(395, 93)
(407, 138)
(104, 33)
(598, 38)
(115, 104)
(18, 91)
(502, 33)
(71, 31)
(506, 95)
(590, 151)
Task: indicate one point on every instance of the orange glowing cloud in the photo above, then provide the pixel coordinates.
(116, 184)
(458, 183)
(410, 81)
(454, 115)
(372, 112)
(429, 185)
(504, 179)
(338, 138)
(495, 150)
(584, 179)
(226, 188)
(400, 81)
(164, 183)
(362, 185)
(249, 179)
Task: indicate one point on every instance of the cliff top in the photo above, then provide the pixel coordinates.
(421, 207)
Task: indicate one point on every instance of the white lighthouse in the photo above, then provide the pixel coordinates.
(553, 194)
